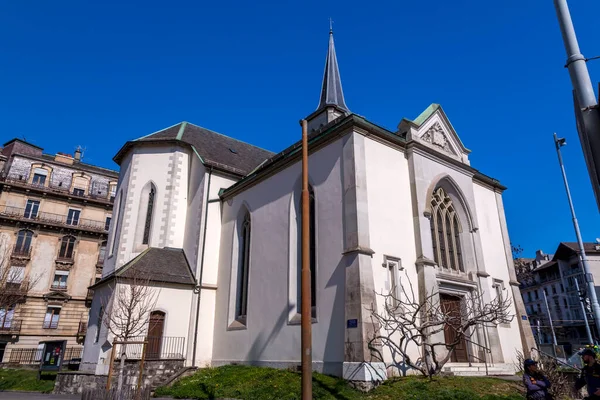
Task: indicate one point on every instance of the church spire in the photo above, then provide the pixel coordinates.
(331, 91)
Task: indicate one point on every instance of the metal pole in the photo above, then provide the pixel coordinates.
(305, 290)
(110, 366)
(550, 319)
(587, 325)
(580, 77)
(589, 278)
(141, 374)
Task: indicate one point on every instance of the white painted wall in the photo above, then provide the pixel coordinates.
(169, 299)
(492, 244)
(269, 336)
(390, 218)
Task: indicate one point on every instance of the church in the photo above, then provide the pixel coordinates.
(216, 223)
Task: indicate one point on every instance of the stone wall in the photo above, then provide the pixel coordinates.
(73, 382)
(156, 373)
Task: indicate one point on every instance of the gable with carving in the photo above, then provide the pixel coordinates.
(438, 137)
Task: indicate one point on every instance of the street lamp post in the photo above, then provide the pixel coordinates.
(587, 113)
(589, 278)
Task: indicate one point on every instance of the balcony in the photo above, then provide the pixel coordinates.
(89, 297)
(59, 287)
(16, 288)
(21, 252)
(53, 324)
(96, 192)
(53, 219)
(12, 327)
(82, 330)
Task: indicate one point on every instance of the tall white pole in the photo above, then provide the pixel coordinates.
(587, 325)
(589, 278)
(550, 320)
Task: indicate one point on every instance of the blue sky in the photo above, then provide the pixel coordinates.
(99, 73)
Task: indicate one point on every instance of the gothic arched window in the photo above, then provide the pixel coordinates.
(445, 232)
(148, 220)
(241, 307)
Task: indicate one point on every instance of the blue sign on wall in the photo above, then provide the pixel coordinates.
(352, 323)
(524, 317)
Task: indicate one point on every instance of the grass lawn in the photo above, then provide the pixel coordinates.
(250, 383)
(25, 380)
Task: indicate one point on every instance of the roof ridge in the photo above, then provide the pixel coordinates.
(229, 137)
(158, 131)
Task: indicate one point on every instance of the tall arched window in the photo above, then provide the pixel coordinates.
(148, 220)
(445, 232)
(23, 245)
(67, 245)
(241, 306)
(313, 249)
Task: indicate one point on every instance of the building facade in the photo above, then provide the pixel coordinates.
(55, 213)
(387, 207)
(555, 276)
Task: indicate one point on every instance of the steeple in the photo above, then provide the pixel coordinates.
(331, 91)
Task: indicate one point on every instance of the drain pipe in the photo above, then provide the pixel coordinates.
(199, 281)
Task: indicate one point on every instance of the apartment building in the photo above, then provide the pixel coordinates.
(555, 275)
(55, 212)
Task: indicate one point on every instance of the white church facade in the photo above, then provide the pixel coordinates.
(217, 222)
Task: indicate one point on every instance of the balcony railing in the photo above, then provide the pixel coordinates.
(82, 330)
(55, 219)
(34, 355)
(158, 348)
(60, 287)
(23, 180)
(10, 327)
(16, 288)
(21, 252)
(50, 325)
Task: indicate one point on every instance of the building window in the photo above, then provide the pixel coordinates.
(394, 284)
(73, 217)
(565, 302)
(445, 232)
(107, 223)
(6, 317)
(562, 288)
(79, 192)
(51, 318)
(67, 245)
(148, 221)
(529, 296)
(23, 245)
(16, 275)
(313, 251)
(113, 238)
(553, 289)
(31, 209)
(99, 324)
(112, 190)
(39, 176)
(241, 307)
(537, 295)
(102, 253)
(60, 280)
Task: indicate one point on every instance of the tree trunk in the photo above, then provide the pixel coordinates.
(120, 381)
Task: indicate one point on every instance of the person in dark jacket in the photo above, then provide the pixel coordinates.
(590, 374)
(536, 383)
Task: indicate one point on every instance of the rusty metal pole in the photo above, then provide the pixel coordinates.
(110, 366)
(306, 292)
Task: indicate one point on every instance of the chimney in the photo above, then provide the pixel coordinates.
(78, 153)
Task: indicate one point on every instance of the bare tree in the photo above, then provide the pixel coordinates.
(127, 313)
(409, 325)
(14, 285)
(523, 267)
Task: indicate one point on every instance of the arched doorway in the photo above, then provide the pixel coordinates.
(155, 333)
